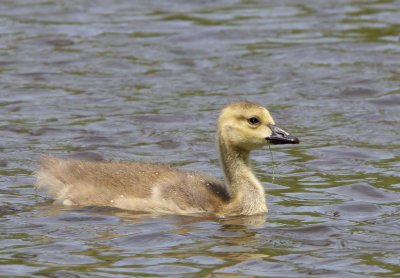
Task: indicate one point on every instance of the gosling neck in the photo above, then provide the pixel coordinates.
(241, 183)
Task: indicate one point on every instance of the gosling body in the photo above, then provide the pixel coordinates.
(242, 127)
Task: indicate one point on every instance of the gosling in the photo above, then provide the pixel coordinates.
(242, 127)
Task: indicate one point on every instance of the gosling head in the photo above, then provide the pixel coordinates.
(249, 126)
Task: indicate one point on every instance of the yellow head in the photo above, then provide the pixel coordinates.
(249, 126)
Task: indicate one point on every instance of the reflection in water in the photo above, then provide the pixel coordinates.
(145, 81)
(255, 221)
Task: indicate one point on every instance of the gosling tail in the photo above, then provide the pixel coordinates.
(49, 177)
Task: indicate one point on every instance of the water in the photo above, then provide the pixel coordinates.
(144, 80)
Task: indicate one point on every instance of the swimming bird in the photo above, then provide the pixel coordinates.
(242, 127)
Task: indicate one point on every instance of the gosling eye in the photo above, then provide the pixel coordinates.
(253, 121)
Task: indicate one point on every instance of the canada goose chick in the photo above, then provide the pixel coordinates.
(242, 127)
